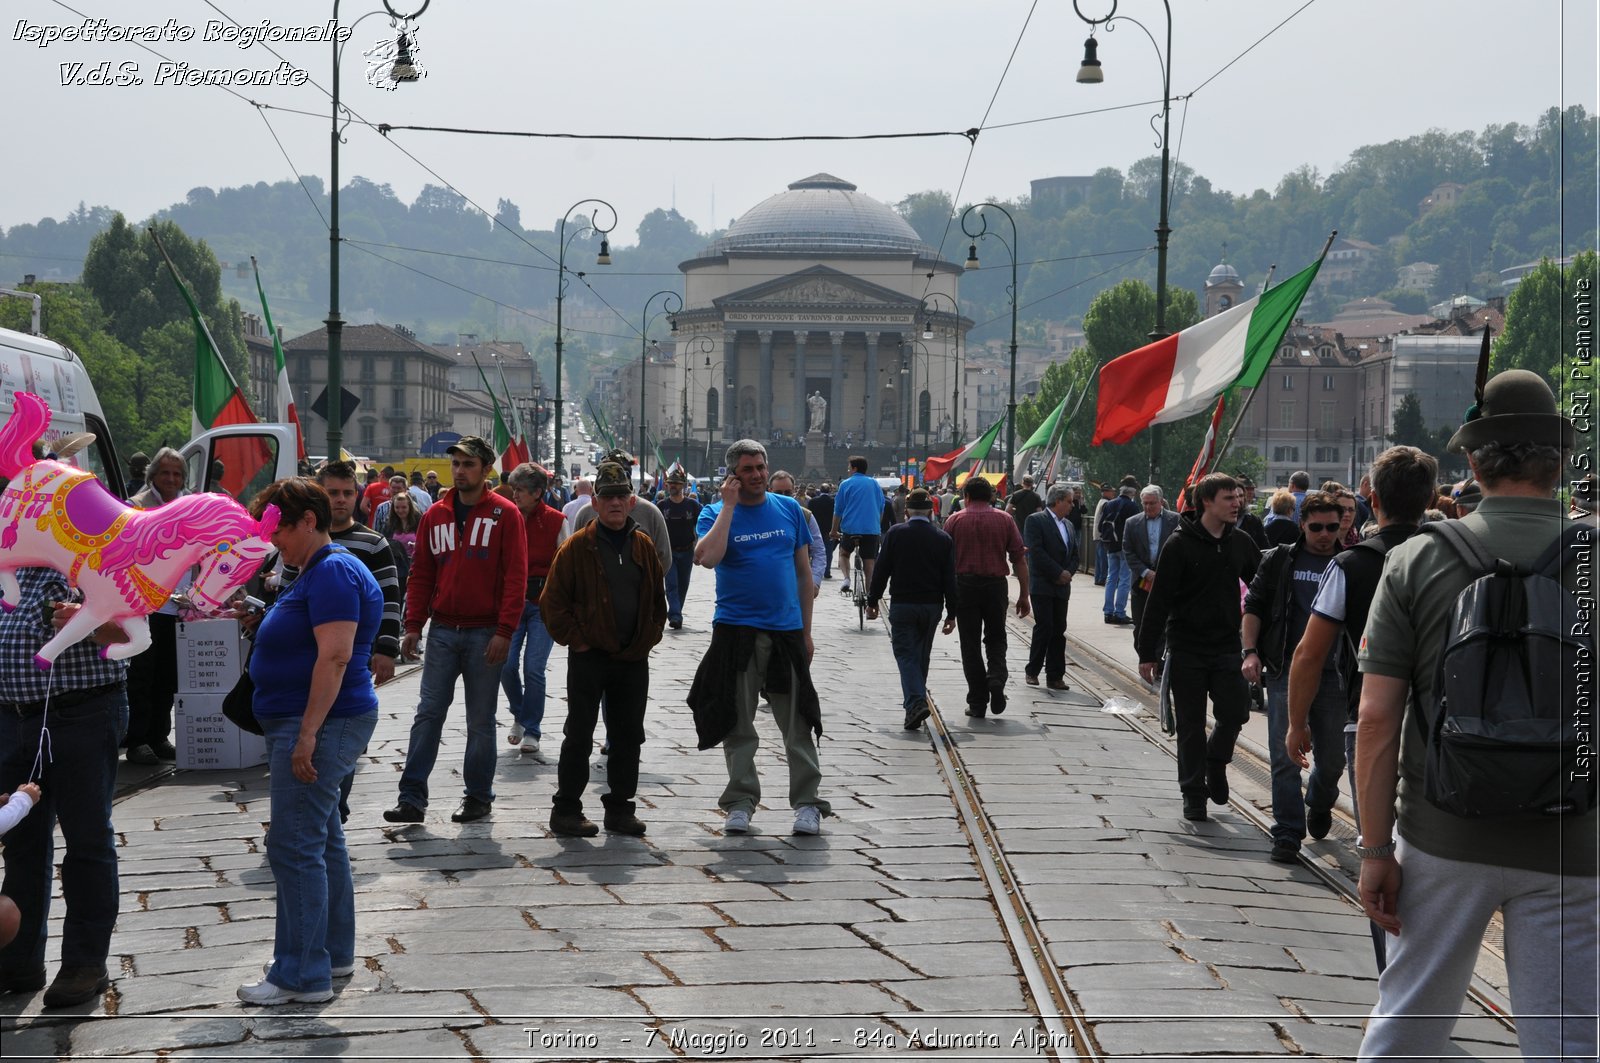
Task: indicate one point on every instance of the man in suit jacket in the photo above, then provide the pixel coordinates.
(1052, 549)
(1142, 539)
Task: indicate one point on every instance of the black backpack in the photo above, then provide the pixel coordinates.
(1508, 729)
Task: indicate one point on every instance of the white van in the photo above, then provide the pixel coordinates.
(239, 459)
(37, 366)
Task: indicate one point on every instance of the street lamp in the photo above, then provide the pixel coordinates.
(601, 259)
(688, 349)
(972, 263)
(927, 315)
(646, 318)
(722, 396)
(1091, 73)
(402, 71)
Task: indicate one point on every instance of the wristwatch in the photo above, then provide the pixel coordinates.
(1373, 852)
(1248, 652)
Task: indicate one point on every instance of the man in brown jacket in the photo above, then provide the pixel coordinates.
(603, 600)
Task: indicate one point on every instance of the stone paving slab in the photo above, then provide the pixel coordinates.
(1169, 934)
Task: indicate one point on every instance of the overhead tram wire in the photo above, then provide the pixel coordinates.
(674, 273)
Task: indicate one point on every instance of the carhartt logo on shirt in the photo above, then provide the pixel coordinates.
(752, 537)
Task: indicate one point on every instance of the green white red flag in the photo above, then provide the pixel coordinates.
(974, 452)
(1177, 376)
(286, 410)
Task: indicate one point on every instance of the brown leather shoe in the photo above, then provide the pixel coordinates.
(624, 823)
(1057, 684)
(76, 985)
(572, 825)
(1032, 680)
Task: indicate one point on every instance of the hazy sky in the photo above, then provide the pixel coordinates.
(1340, 74)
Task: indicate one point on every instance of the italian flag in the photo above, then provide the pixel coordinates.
(217, 398)
(509, 451)
(286, 412)
(976, 451)
(1180, 375)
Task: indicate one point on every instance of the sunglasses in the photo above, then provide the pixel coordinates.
(1310, 527)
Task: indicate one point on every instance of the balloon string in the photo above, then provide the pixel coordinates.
(46, 752)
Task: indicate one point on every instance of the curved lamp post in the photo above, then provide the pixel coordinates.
(646, 319)
(1091, 73)
(601, 259)
(687, 349)
(402, 71)
(972, 263)
(926, 313)
(722, 400)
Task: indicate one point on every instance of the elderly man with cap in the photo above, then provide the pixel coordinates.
(1433, 879)
(523, 677)
(469, 585)
(681, 510)
(917, 563)
(603, 600)
(644, 513)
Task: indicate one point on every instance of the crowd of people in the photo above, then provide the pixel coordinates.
(1334, 602)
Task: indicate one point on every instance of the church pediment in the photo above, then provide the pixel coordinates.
(815, 288)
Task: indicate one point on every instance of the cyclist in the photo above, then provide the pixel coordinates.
(857, 513)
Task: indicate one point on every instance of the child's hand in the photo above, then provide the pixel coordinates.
(31, 789)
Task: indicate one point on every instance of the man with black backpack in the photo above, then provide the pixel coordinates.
(1451, 647)
(1403, 480)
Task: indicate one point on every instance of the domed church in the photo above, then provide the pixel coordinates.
(822, 293)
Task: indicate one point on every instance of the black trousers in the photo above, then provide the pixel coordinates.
(1194, 678)
(981, 625)
(1138, 599)
(625, 685)
(1048, 649)
(153, 683)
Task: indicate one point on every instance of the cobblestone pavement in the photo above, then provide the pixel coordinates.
(495, 940)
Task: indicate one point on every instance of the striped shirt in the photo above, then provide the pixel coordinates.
(373, 550)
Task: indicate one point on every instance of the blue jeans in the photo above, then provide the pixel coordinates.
(76, 787)
(678, 575)
(530, 653)
(1326, 722)
(316, 927)
(1102, 556)
(912, 626)
(1119, 581)
(453, 652)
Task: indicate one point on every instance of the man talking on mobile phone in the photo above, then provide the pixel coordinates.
(759, 545)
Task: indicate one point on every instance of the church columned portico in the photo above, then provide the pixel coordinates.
(805, 290)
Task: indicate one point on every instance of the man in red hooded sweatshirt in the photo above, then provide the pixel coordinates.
(469, 578)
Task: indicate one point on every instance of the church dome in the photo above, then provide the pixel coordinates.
(1222, 273)
(822, 214)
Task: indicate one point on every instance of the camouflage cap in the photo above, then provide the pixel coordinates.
(611, 479)
(473, 447)
(618, 456)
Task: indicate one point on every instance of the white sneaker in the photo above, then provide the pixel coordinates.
(530, 747)
(337, 972)
(738, 822)
(807, 820)
(268, 995)
(514, 735)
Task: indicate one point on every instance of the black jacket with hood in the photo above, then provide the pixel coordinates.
(1196, 594)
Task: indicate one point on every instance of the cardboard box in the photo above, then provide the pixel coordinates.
(211, 656)
(207, 741)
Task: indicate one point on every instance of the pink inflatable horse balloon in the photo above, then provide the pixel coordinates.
(126, 561)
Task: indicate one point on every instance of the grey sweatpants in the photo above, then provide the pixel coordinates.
(1551, 950)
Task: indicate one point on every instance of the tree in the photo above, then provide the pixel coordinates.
(1541, 318)
(1410, 429)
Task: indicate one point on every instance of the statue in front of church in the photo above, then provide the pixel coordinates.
(819, 411)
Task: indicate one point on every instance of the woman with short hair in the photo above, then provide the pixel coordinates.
(315, 701)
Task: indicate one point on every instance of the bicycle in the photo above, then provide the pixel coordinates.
(858, 588)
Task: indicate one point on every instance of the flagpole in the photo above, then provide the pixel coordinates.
(1223, 450)
(201, 318)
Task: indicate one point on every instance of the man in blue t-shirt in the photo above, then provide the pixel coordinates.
(759, 545)
(857, 520)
